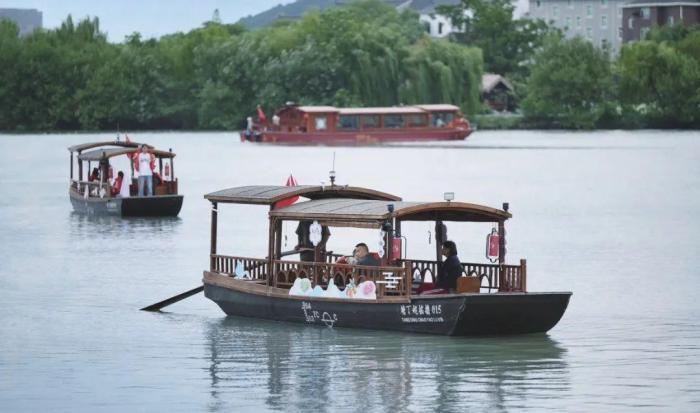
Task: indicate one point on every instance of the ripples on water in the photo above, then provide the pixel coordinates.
(611, 216)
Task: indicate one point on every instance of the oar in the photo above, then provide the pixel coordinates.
(172, 300)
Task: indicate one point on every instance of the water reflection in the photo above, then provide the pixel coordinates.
(115, 226)
(321, 369)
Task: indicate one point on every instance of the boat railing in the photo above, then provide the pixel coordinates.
(389, 281)
(248, 268)
(92, 189)
(494, 277)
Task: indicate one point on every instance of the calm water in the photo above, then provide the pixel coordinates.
(611, 216)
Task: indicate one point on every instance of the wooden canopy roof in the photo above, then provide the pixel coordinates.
(98, 154)
(388, 110)
(374, 211)
(122, 144)
(438, 107)
(270, 194)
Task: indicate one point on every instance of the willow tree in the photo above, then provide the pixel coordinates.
(441, 72)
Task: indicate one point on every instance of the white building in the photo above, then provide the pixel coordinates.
(440, 26)
(599, 21)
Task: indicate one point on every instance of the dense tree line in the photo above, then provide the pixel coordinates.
(569, 83)
(365, 53)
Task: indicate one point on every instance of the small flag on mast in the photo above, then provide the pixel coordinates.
(288, 201)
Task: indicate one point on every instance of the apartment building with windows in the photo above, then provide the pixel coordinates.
(599, 21)
(639, 16)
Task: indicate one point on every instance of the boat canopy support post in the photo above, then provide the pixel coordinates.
(214, 218)
(271, 276)
(71, 166)
(440, 237)
(172, 166)
(502, 251)
(278, 240)
(80, 167)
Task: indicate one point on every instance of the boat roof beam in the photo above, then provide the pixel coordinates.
(271, 194)
(375, 212)
(97, 154)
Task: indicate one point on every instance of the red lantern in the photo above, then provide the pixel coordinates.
(493, 243)
(396, 248)
(167, 171)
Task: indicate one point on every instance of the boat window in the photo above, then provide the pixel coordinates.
(393, 121)
(321, 123)
(370, 121)
(417, 120)
(441, 119)
(349, 122)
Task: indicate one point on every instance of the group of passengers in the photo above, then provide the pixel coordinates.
(450, 269)
(144, 163)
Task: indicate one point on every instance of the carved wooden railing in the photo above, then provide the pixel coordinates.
(255, 268)
(502, 278)
(390, 281)
(93, 188)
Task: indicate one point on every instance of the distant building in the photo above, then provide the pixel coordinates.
(497, 93)
(28, 20)
(639, 16)
(437, 25)
(599, 21)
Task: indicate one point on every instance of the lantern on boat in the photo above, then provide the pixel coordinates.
(315, 233)
(493, 241)
(166, 172)
(381, 243)
(110, 172)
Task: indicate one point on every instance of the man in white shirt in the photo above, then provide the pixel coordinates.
(144, 163)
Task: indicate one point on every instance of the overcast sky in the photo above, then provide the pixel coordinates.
(151, 18)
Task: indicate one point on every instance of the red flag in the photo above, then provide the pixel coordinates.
(262, 119)
(288, 201)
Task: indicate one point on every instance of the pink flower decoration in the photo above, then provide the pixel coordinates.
(368, 288)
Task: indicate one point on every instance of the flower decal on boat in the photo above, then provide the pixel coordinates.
(367, 290)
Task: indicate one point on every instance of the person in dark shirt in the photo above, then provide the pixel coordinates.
(451, 268)
(363, 257)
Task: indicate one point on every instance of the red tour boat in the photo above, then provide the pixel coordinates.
(294, 124)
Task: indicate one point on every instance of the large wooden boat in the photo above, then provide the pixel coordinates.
(491, 298)
(295, 124)
(96, 197)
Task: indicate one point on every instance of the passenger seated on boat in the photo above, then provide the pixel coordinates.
(95, 175)
(117, 185)
(363, 257)
(450, 269)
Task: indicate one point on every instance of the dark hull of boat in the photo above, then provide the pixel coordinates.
(359, 138)
(151, 206)
(456, 314)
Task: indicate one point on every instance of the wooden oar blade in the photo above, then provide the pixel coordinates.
(172, 300)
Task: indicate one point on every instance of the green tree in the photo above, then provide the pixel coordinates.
(443, 72)
(570, 84)
(661, 82)
(508, 44)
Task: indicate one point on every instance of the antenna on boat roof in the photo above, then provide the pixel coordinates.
(331, 173)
